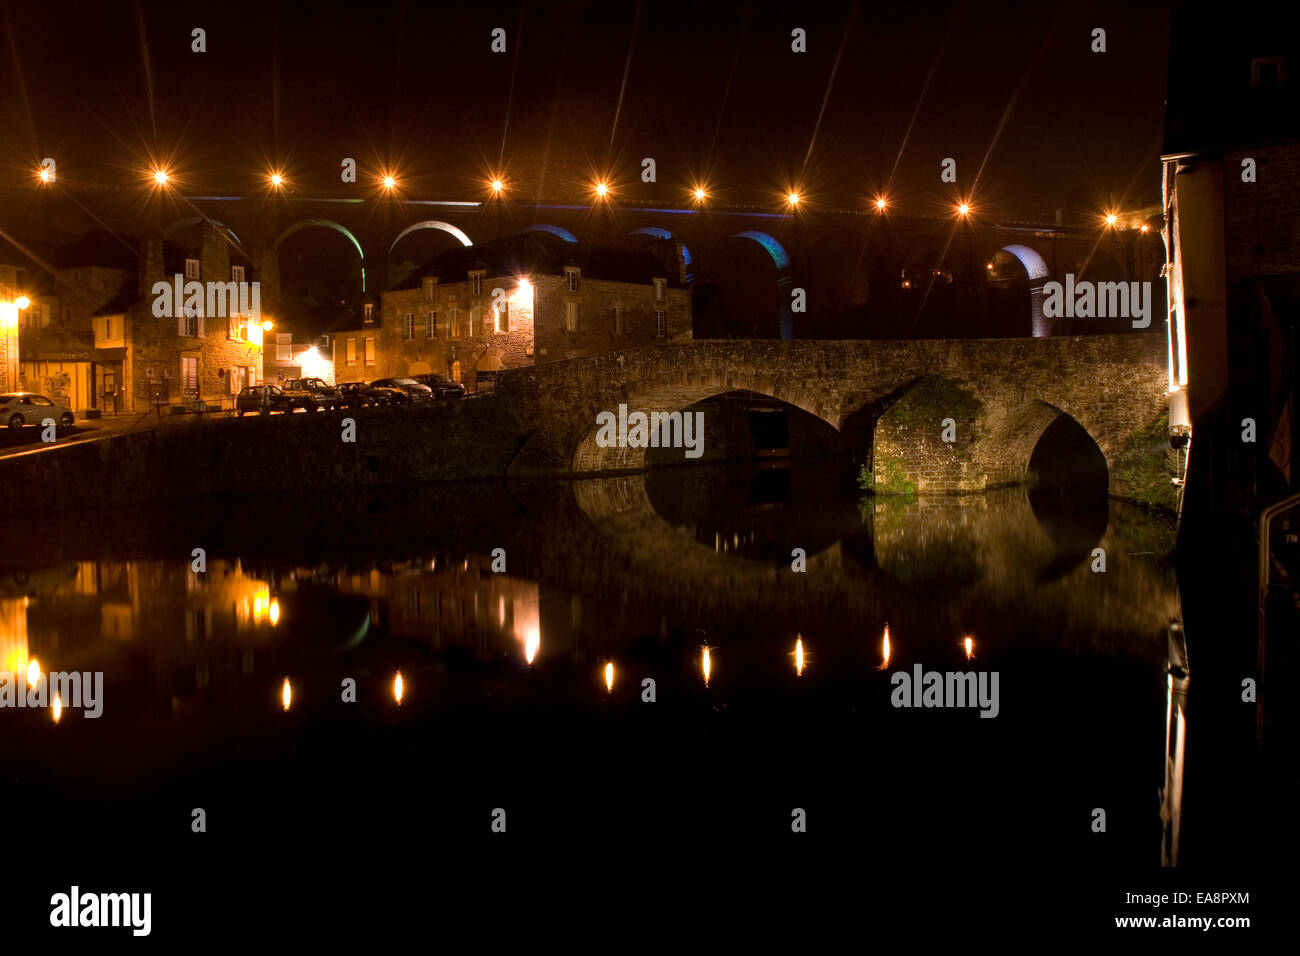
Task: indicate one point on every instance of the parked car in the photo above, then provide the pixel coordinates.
(323, 394)
(27, 408)
(441, 386)
(359, 394)
(263, 399)
(408, 386)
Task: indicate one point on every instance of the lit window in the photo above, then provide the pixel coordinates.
(236, 273)
(455, 323)
(370, 350)
(431, 325)
(475, 320)
(476, 282)
(502, 317)
(661, 324)
(455, 371)
(408, 326)
(570, 316)
(368, 313)
(191, 268)
(571, 279)
(352, 352)
(660, 285)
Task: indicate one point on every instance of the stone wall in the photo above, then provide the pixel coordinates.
(1260, 217)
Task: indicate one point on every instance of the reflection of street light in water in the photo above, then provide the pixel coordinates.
(885, 649)
(706, 664)
(399, 687)
(609, 677)
(798, 655)
(970, 648)
(286, 694)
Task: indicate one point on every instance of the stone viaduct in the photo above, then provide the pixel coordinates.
(1001, 394)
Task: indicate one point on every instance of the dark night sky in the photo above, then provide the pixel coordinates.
(414, 86)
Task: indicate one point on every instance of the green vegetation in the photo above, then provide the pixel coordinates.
(1145, 469)
(895, 482)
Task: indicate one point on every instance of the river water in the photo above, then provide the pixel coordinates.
(550, 640)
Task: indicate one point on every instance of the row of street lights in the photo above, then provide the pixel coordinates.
(601, 190)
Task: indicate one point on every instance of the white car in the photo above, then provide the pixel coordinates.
(27, 408)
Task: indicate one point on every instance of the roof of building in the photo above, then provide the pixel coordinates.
(540, 253)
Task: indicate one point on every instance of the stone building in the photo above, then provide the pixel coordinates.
(529, 299)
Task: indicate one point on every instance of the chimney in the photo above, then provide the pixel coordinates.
(151, 263)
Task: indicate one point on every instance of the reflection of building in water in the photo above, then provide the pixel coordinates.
(75, 616)
(454, 604)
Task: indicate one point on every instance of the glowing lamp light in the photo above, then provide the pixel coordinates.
(390, 183)
(398, 687)
(57, 712)
(602, 190)
(44, 175)
(700, 194)
(609, 677)
(273, 612)
(532, 642)
(1144, 228)
(160, 177)
(286, 694)
(22, 302)
(970, 648)
(268, 325)
(1111, 219)
(498, 186)
(798, 655)
(963, 209)
(881, 203)
(277, 180)
(33, 672)
(706, 664)
(792, 199)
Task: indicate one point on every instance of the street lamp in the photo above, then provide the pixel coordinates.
(9, 310)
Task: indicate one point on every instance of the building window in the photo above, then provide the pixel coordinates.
(661, 324)
(570, 316)
(190, 377)
(660, 285)
(108, 327)
(284, 347)
(191, 268)
(238, 328)
(475, 320)
(455, 371)
(618, 320)
(501, 317)
(571, 279)
(368, 313)
(476, 282)
(428, 282)
(408, 326)
(370, 350)
(1268, 71)
(189, 322)
(236, 273)
(352, 352)
(431, 325)
(455, 323)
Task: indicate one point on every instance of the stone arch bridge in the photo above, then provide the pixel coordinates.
(1001, 393)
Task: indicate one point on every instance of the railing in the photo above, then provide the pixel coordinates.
(1265, 523)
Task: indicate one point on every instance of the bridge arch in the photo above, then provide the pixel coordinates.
(558, 231)
(453, 231)
(325, 224)
(656, 232)
(1016, 263)
(188, 221)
